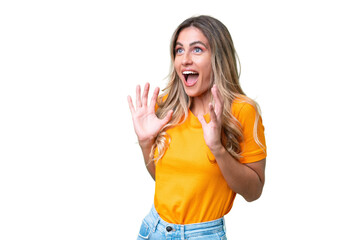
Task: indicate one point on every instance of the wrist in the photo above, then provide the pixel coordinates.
(146, 143)
(217, 149)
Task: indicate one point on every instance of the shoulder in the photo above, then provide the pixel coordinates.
(160, 101)
(244, 108)
(162, 98)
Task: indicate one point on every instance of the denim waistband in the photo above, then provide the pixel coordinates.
(186, 230)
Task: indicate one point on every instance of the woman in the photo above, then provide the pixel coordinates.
(202, 139)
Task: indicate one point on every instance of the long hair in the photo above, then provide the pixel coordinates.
(226, 72)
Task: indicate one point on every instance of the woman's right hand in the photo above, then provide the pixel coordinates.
(146, 124)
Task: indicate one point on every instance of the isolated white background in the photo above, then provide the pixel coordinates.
(70, 167)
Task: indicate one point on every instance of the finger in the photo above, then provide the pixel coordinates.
(202, 120)
(212, 113)
(218, 100)
(131, 105)
(154, 98)
(145, 94)
(138, 94)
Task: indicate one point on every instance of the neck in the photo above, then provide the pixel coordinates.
(200, 104)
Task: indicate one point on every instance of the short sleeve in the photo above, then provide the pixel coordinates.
(253, 145)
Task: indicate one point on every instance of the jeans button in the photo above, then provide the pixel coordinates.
(169, 229)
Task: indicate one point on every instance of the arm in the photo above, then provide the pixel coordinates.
(244, 179)
(146, 124)
(146, 149)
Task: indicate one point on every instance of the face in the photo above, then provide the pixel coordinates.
(193, 61)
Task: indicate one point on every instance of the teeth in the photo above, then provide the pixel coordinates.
(189, 72)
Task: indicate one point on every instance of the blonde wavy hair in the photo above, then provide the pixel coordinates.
(226, 73)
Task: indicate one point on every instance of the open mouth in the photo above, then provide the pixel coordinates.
(191, 78)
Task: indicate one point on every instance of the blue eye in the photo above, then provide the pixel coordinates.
(197, 50)
(179, 51)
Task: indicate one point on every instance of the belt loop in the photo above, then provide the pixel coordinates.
(224, 225)
(156, 223)
(182, 232)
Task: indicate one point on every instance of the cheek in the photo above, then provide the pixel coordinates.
(177, 67)
(207, 72)
(206, 66)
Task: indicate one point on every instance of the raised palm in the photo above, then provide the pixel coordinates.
(146, 124)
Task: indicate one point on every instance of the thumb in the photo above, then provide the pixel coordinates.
(167, 118)
(202, 120)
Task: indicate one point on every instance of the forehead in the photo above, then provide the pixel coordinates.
(191, 34)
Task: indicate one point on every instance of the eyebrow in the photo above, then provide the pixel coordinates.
(193, 43)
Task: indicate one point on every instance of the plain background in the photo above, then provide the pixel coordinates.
(70, 167)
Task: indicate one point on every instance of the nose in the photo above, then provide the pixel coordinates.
(187, 59)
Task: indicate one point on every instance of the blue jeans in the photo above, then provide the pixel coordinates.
(154, 228)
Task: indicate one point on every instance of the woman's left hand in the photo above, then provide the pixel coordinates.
(212, 130)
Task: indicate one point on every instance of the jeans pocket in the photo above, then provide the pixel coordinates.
(145, 230)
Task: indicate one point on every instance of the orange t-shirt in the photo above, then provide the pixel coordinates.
(190, 188)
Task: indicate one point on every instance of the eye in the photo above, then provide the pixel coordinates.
(197, 50)
(179, 50)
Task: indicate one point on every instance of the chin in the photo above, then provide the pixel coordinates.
(193, 92)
